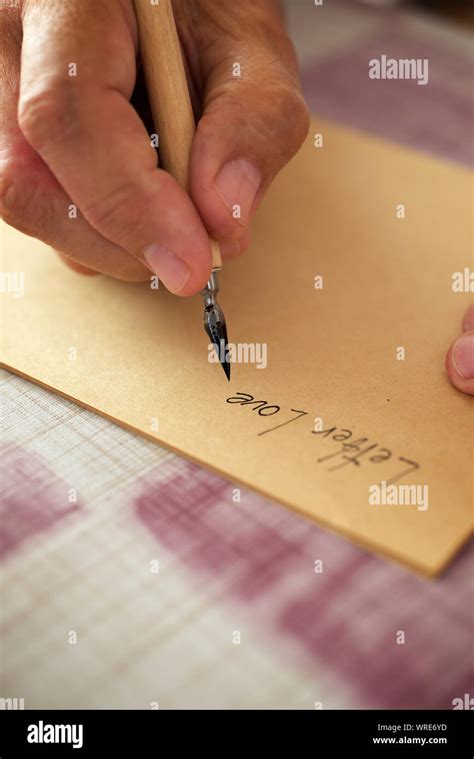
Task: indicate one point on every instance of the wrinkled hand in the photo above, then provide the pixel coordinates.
(78, 139)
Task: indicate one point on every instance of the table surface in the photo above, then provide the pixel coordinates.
(134, 578)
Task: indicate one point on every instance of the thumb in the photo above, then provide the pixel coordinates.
(254, 120)
(460, 356)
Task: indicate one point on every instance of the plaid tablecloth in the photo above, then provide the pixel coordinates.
(133, 578)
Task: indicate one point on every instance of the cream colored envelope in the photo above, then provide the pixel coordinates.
(355, 307)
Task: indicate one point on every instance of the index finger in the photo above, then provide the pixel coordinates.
(78, 70)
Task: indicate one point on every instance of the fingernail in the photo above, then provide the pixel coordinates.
(170, 269)
(237, 184)
(463, 356)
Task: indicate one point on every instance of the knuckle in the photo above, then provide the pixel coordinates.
(47, 115)
(294, 116)
(113, 212)
(302, 120)
(275, 110)
(16, 197)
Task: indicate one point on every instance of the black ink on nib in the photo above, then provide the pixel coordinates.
(225, 363)
(215, 326)
(214, 322)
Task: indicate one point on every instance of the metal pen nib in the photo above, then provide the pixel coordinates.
(214, 321)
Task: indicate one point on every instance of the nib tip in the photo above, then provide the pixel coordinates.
(226, 367)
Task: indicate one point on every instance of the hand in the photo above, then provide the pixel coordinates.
(77, 140)
(460, 357)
